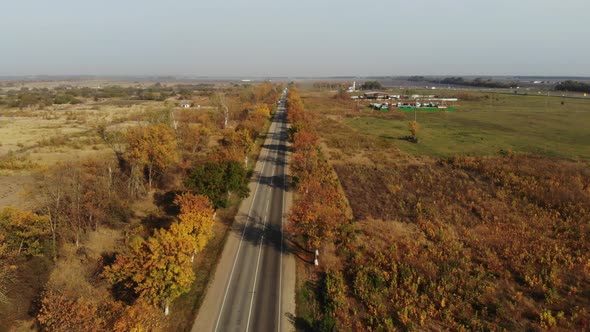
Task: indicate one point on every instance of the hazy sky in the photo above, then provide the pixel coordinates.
(295, 38)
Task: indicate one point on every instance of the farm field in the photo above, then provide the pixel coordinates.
(448, 233)
(483, 124)
(559, 133)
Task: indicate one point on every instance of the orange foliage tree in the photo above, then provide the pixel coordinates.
(61, 313)
(193, 137)
(139, 317)
(157, 269)
(319, 209)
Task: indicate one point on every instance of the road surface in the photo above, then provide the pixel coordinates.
(253, 287)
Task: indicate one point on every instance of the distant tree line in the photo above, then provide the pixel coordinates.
(573, 86)
(42, 97)
(371, 85)
(329, 85)
(478, 82)
(417, 79)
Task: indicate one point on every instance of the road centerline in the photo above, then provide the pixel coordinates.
(261, 245)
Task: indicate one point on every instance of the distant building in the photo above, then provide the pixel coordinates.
(185, 104)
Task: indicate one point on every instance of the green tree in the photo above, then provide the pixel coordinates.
(371, 85)
(218, 180)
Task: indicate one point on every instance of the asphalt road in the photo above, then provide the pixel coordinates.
(252, 286)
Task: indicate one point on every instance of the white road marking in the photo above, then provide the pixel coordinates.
(281, 256)
(255, 276)
(259, 253)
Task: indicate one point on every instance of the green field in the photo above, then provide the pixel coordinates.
(530, 124)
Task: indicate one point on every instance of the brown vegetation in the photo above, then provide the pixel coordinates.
(464, 243)
(494, 242)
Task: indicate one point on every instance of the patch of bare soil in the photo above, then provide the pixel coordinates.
(12, 190)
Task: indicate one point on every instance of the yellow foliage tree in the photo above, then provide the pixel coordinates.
(24, 230)
(5, 271)
(153, 148)
(237, 144)
(261, 110)
(196, 220)
(414, 127)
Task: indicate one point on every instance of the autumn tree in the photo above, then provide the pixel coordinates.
(319, 211)
(5, 270)
(254, 120)
(151, 149)
(236, 145)
(261, 110)
(196, 219)
(218, 179)
(297, 116)
(51, 195)
(220, 102)
(77, 196)
(306, 155)
(265, 93)
(157, 269)
(24, 231)
(60, 313)
(139, 317)
(193, 138)
(100, 197)
(414, 127)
